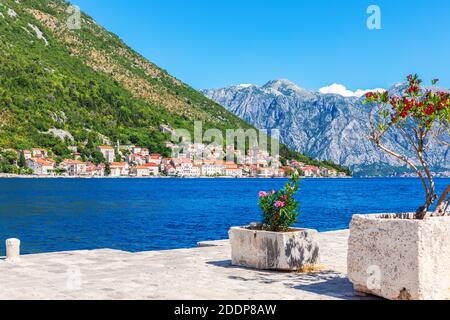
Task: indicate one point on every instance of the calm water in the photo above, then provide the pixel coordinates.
(155, 214)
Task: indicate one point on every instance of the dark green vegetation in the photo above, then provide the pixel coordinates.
(88, 83)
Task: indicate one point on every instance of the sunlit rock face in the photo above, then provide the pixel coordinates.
(323, 126)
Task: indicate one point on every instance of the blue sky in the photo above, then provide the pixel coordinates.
(216, 43)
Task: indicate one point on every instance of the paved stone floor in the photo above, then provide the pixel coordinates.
(199, 273)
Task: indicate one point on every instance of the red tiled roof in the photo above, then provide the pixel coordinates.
(149, 165)
(69, 161)
(118, 164)
(43, 162)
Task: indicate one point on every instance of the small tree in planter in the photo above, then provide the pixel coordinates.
(406, 256)
(274, 244)
(423, 118)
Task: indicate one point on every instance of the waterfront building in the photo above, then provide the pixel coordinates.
(170, 170)
(233, 172)
(265, 172)
(153, 169)
(73, 167)
(119, 169)
(93, 170)
(310, 171)
(212, 168)
(140, 171)
(188, 169)
(40, 166)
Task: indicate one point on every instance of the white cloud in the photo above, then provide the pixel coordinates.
(340, 89)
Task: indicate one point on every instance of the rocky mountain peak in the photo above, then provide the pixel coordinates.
(285, 86)
(322, 125)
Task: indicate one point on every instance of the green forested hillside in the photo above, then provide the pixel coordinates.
(88, 83)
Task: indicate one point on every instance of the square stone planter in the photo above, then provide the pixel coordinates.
(287, 251)
(399, 258)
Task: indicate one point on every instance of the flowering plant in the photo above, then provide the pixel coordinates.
(279, 207)
(422, 117)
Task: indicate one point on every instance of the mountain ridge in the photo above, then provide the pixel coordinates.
(324, 126)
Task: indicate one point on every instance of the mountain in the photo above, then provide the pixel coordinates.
(86, 82)
(63, 87)
(324, 126)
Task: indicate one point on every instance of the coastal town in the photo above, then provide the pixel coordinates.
(195, 161)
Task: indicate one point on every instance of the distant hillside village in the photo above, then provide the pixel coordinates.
(139, 162)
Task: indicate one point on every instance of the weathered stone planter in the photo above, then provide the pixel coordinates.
(288, 251)
(399, 258)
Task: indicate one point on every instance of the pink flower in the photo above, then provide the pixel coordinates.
(284, 197)
(273, 192)
(262, 194)
(279, 204)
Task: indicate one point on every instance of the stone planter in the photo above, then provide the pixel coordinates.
(399, 258)
(288, 251)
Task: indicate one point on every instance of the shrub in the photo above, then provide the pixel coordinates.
(280, 209)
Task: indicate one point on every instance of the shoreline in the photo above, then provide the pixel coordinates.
(12, 176)
(159, 177)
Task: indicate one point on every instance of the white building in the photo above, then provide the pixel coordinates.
(310, 171)
(188, 169)
(74, 167)
(140, 171)
(27, 154)
(40, 166)
(94, 170)
(39, 153)
(212, 168)
(153, 169)
(265, 172)
(137, 159)
(154, 158)
(119, 169)
(233, 172)
(108, 153)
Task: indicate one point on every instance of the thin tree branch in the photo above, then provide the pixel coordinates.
(443, 203)
(408, 162)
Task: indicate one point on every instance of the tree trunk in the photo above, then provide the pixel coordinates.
(422, 212)
(443, 203)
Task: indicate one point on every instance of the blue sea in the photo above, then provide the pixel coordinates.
(154, 214)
